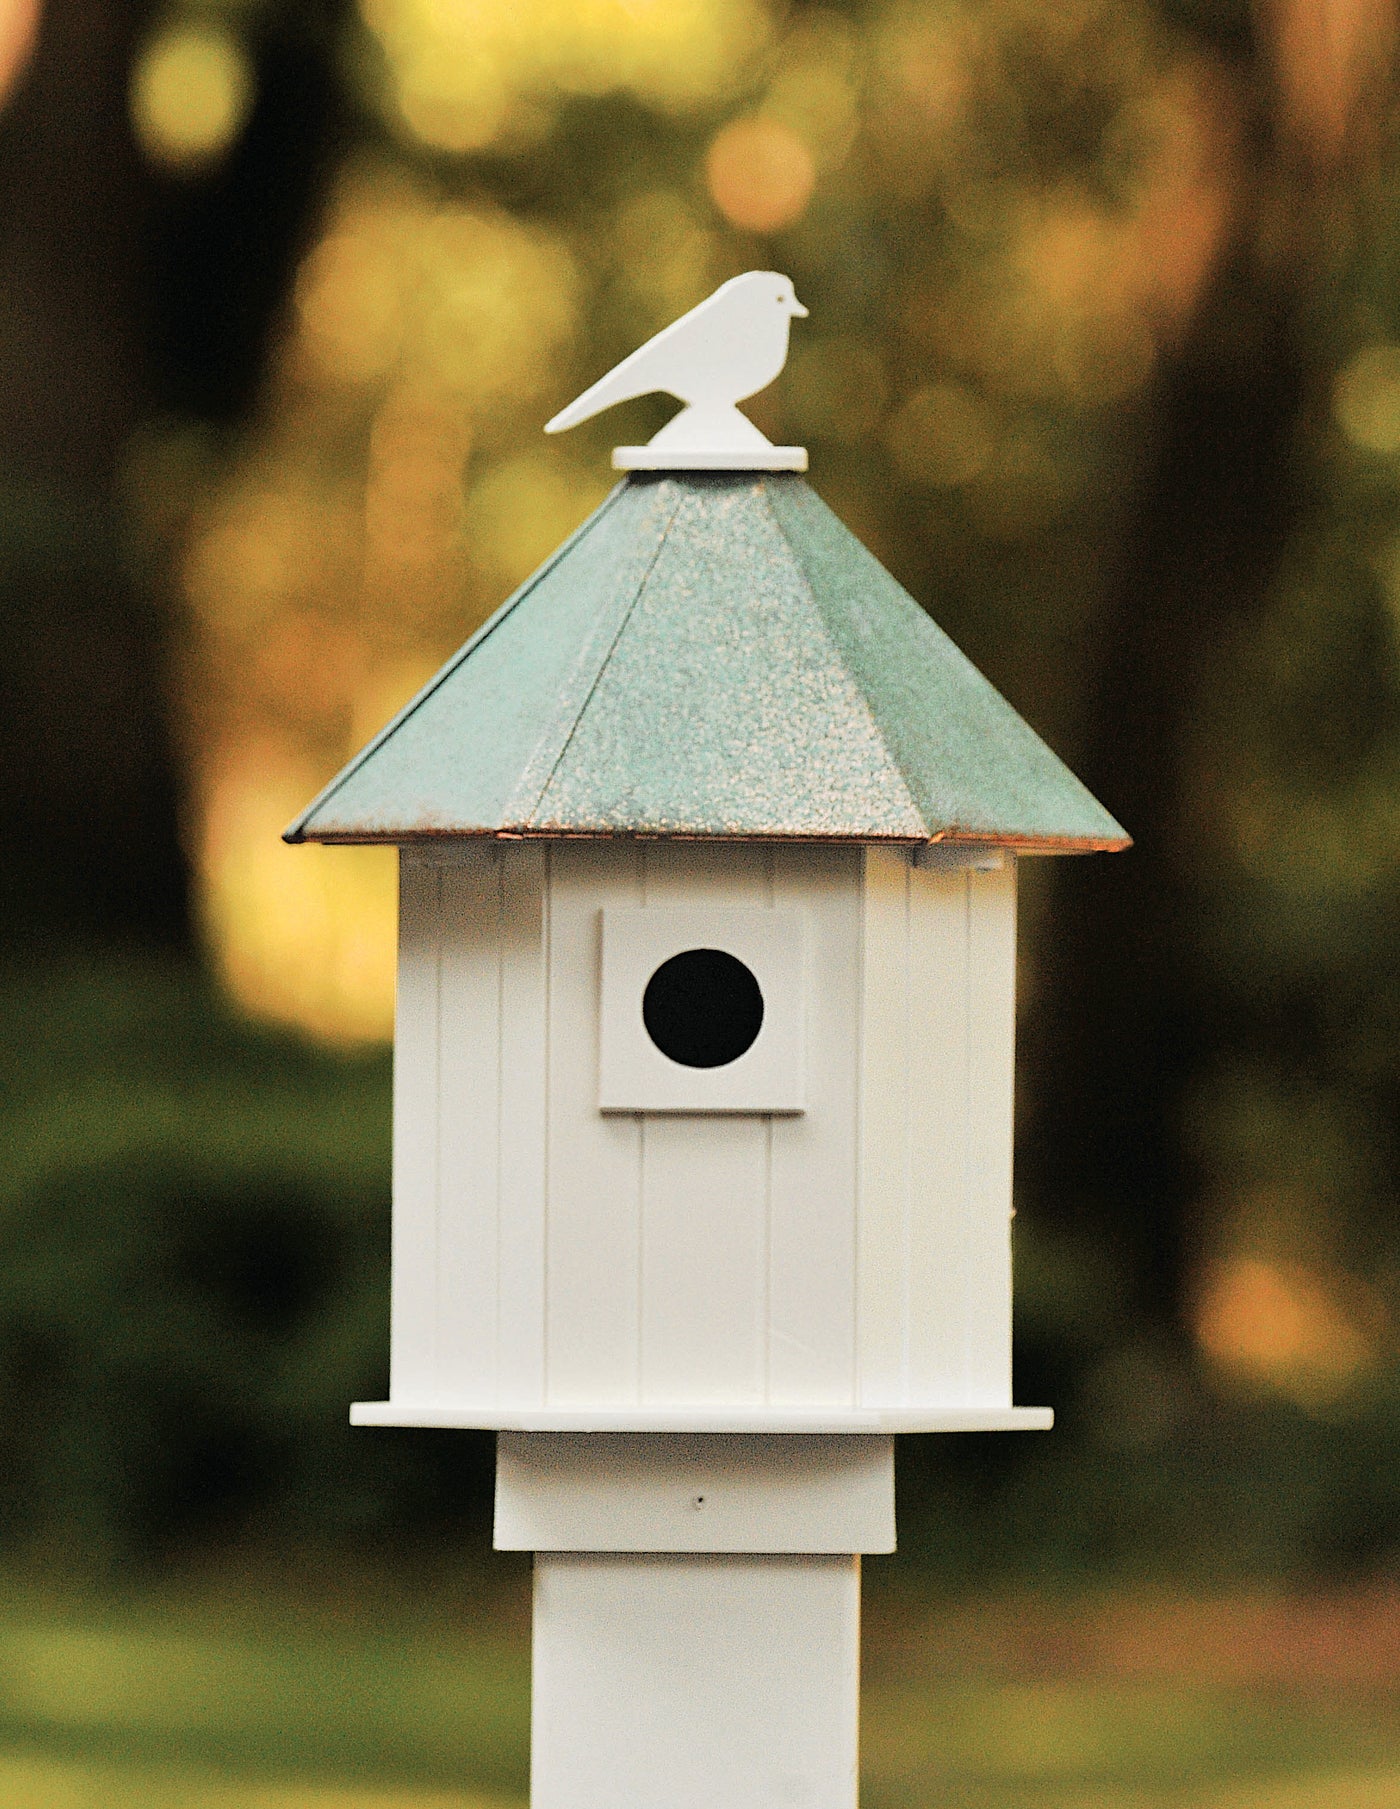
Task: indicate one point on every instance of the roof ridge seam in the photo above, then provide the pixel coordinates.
(293, 831)
(895, 767)
(605, 662)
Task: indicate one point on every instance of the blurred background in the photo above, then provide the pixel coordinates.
(1104, 362)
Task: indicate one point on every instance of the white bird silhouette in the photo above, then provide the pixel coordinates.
(731, 346)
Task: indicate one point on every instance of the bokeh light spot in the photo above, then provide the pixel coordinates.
(760, 174)
(498, 299)
(190, 95)
(305, 934)
(348, 296)
(663, 254)
(523, 508)
(943, 436)
(461, 71)
(836, 388)
(1366, 399)
(19, 26)
(1282, 1325)
(814, 89)
(456, 103)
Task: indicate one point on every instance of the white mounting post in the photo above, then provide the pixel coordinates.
(697, 1613)
(695, 1682)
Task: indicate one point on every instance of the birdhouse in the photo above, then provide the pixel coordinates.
(704, 1082)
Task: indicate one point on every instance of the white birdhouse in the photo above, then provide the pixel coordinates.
(703, 1081)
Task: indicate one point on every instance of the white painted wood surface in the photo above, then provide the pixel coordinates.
(594, 1240)
(523, 1120)
(558, 1266)
(937, 1096)
(470, 1143)
(658, 1492)
(721, 1418)
(413, 1309)
(692, 1682)
(882, 1296)
(812, 1204)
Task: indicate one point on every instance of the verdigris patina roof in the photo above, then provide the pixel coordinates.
(710, 655)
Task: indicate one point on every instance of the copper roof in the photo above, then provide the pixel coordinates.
(711, 655)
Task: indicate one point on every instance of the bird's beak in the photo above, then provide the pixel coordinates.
(798, 309)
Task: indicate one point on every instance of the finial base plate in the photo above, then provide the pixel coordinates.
(725, 458)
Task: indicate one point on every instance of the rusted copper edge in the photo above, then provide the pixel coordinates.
(1017, 844)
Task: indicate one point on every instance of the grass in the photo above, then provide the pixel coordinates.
(266, 1698)
(222, 1700)
(1135, 1702)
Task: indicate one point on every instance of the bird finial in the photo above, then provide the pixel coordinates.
(729, 347)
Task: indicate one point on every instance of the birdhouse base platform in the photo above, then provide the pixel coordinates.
(721, 458)
(701, 1419)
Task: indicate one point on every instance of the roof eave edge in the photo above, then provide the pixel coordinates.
(1016, 844)
(296, 830)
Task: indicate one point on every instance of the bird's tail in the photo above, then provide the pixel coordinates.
(635, 376)
(593, 401)
(578, 410)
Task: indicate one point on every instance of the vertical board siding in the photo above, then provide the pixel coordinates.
(523, 1173)
(985, 1252)
(469, 1127)
(469, 1078)
(939, 1284)
(413, 1314)
(703, 1190)
(593, 1254)
(883, 1200)
(812, 1174)
(703, 1250)
(937, 1053)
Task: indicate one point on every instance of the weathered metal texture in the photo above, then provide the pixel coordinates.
(714, 656)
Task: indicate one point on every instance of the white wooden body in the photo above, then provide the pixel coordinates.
(721, 1682)
(842, 1267)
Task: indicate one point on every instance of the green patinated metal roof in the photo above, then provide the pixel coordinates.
(710, 655)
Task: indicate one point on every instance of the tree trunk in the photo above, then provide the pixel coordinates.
(1129, 1021)
(89, 841)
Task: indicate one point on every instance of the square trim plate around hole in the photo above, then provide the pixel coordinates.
(769, 1074)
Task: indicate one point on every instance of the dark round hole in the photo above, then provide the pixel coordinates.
(703, 1008)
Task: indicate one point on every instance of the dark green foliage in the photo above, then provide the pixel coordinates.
(1150, 1472)
(194, 1279)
